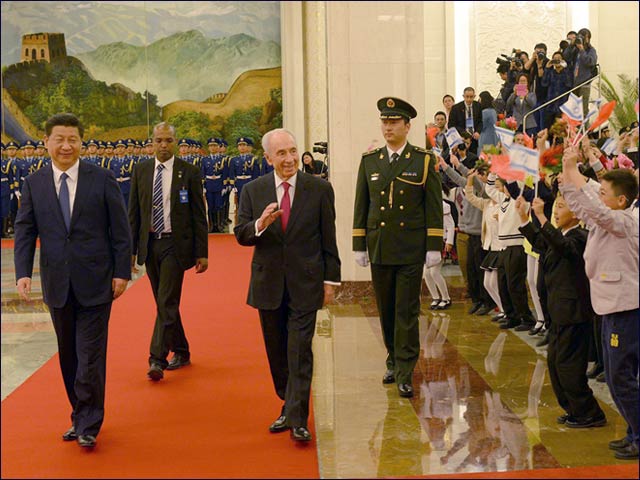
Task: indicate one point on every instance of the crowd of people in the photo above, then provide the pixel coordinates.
(222, 172)
(511, 235)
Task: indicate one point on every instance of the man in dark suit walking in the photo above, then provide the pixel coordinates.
(169, 226)
(78, 212)
(466, 116)
(294, 269)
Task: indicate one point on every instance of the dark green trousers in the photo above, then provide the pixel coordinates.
(397, 290)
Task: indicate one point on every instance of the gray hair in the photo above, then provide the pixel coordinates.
(165, 125)
(266, 138)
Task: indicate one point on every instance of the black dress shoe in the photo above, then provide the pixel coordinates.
(70, 434)
(484, 309)
(588, 422)
(474, 308)
(601, 378)
(178, 361)
(524, 326)
(595, 371)
(280, 425)
(388, 377)
(510, 323)
(300, 434)
(619, 444)
(630, 452)
(87, 441)
(562, 419)
(543, 341)
(444, 304)
(405, 390)
(155, 372)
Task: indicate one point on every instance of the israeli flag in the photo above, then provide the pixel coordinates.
(437, 151)
(573, 108)
(453, 137)
(506, 136)
(524, 159)
(609, 146)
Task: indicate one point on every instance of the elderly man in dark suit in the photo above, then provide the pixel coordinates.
(294, 269)
(169, 226)
(78, 212)
(466, 116)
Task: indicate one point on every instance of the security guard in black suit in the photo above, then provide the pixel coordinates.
(398, 219)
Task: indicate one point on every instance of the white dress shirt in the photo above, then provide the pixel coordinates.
(167, 175)
(399, 152)
(72, 182)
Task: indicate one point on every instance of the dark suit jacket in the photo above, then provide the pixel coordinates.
(188, 220)
(95, 250)
(298, 260)
(458, 117)
(567, 285)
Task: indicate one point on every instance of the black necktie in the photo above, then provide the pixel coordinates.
(395, 157)
(63, 198)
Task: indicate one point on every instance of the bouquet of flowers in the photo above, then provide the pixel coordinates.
(483, 163)
(551, 160)
(509, 123)
(560, 128)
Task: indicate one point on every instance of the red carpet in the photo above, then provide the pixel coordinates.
(206, 420)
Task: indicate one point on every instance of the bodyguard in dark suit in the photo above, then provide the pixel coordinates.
(398, 219)
(570, 309)
(78, 212)
(169, 226)
(466, 116)
(289, 217)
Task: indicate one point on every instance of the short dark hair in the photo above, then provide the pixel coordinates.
(64, 120)
(541, 45)
(469, 89)
(448, 96)
(439, 112)
(465, 135)
(623, 182)
(572, 32)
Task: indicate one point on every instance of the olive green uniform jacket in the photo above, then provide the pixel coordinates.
(398, 208)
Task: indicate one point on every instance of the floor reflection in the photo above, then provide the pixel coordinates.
(482, 403)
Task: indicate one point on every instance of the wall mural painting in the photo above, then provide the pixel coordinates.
(212, 69)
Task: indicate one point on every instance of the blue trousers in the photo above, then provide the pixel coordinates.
(620, 351)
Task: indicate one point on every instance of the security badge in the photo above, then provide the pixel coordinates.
(614, 340)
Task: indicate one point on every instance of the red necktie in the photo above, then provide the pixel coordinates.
(285, 205)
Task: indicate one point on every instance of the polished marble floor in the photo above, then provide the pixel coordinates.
(483, 398)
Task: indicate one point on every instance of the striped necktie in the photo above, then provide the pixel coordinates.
(158, 210)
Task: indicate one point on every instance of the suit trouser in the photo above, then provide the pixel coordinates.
(82, 345)
(462, 243)
(620, 354)
(166, 276)
(397, 289)
(567, 358)
(475, 275)
(512, 281)
(288, 335)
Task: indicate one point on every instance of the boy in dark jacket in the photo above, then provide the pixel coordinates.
(570, 308)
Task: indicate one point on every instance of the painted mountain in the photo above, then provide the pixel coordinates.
(90, 24)
(183, 66)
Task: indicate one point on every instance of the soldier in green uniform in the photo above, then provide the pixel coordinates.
(397, 227)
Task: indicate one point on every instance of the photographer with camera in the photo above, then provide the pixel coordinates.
(585, 66)
(522, 101)
(557, 80)
(536, 66)
(570, 51)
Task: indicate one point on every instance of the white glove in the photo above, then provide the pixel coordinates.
(362, 259)
(433, 258)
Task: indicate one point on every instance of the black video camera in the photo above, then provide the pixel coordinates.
(541, 55)
(321, 147)
(578, 40)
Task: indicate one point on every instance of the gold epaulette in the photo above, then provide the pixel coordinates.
(420, 149)
(372, 152)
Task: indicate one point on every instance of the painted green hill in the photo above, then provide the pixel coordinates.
(183, 66)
